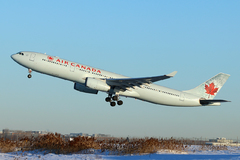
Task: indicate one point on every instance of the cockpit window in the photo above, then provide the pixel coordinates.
(20, 53)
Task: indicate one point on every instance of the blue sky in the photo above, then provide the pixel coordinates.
(134, 38)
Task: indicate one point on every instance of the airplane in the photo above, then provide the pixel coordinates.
(88, 79)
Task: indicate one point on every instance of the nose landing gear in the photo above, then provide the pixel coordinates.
(29, 75)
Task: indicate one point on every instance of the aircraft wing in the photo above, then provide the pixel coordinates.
(131, 82)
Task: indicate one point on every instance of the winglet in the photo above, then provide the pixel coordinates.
(171, 74)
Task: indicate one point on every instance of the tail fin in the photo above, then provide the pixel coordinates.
(210, 88)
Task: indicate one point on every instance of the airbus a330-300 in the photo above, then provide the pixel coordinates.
(91, 80)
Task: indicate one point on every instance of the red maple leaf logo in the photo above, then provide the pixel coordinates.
(50, 58)
(211, 90)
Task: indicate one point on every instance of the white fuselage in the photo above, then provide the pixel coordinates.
(75, 72)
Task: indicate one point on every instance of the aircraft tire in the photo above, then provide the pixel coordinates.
(29, 76)
(115, 98)
(108, 99)
(112, 104)
(119, 102)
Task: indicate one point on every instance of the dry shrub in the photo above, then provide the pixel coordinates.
(141, 146)
(10, 146)
(56, 143)
(7, 145)
(51, 142)
(82, 143)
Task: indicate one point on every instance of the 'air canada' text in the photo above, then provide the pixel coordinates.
(74, 64)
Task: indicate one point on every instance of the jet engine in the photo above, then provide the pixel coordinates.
(97, 84)
(82, 88)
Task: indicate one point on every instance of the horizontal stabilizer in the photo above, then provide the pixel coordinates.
(211, 101)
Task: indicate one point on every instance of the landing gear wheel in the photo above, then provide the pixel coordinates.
(112, 104)
(29, 76)
(108, 99)
(115, 98)
(119, 102)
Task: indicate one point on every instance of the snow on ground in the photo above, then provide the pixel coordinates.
(192, 153)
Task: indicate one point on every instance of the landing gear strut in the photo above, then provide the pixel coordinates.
(115, 98)
(29, 75)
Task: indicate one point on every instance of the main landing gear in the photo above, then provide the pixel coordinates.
(29, 75)
(112, 100)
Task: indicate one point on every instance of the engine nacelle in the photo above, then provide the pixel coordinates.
(97, 84)
(82, 88)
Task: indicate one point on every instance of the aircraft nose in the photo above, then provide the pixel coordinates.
(13, 56)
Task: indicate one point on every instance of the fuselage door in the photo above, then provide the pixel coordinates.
(32, 57)
(182, 97)
(72, 68)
